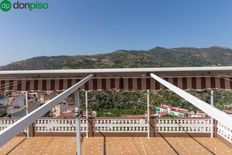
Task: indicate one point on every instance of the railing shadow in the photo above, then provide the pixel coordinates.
(200, 143)
(104, 141)
(205, 147)
(172, 147)
(169, 144)
(153, 126)
(16, 146)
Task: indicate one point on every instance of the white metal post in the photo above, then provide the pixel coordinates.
(78, 133)
(87, 113)
(26, 100)
(212, 125)
(148, 113)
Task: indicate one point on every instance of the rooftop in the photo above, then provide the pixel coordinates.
(116, 145)
(175, 109)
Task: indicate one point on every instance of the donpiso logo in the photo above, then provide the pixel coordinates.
(6, 5)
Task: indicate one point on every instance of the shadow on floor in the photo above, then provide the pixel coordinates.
(16, 146)
(169, 143)
(189, 135)
(205, 147)
(104, 142)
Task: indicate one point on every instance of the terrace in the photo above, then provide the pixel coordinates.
(121, 136)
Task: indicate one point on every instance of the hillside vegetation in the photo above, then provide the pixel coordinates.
(118, 103)
(156, 57)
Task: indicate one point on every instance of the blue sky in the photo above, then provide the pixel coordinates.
(77, 27)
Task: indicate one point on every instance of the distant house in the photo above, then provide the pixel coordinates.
(198, 114)
(94, 59)
(164, 110)
(105, 60)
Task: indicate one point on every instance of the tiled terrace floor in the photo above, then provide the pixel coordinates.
(116, 146)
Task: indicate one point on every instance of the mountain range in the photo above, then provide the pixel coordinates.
(156, 57)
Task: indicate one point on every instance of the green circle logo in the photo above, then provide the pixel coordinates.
(5, 5)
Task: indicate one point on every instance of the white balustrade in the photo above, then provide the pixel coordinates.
(6, 122)
(224, 131)
(120, 125)
(163, 125)
(59, 125)
(179, 125)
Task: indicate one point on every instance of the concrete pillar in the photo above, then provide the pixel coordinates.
(32, 130)
(152, 126)
(150, 118)
(91, 124)
(215, 128)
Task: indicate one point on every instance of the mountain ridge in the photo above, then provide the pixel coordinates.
(155, 57)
